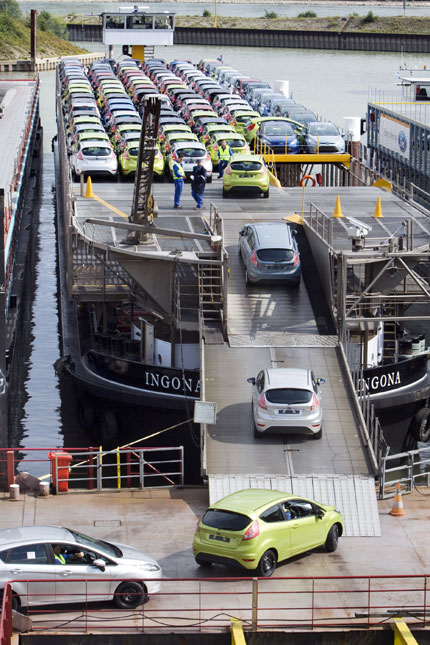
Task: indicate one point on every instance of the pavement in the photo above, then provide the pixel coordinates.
(161, 522)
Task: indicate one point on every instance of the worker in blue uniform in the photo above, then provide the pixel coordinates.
(178, 178)
(198, 183)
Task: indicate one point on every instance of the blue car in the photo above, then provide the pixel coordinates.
(279, 136)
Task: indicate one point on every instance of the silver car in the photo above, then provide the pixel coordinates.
(103, 570)
(321, 136)
(287, 400)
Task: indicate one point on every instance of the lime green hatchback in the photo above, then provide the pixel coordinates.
(254, 529)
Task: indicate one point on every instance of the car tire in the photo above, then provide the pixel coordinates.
(332, 539)
(247, 281)
(203, 563)
(16, 604)
(209, 180)
(267, 564)
(266, 194)
(317, 435)
(224, 193)
(129, 595)
(257, 434)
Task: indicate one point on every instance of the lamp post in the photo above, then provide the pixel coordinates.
(216, 15)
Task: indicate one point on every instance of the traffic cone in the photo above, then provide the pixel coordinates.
(89, 190)
(378, 210)
(397, 510)
(338, 208)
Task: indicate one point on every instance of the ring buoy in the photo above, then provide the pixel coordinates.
(305, 177)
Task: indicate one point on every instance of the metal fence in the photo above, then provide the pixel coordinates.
(207, 605)
(409, 469)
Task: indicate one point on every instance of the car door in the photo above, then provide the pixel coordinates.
(307, 527)
(27, 565)
(276, 530)
(78, 580)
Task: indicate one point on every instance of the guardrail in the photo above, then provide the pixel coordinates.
(409, 469)
(98, 469)
(207, 605)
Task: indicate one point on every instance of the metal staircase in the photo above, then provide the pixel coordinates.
(389, 347)
(211, 301)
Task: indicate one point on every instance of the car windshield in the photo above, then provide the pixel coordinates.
(276, 129)
(235, 143)
(275, 255)
(301, 117)
(242, 118)
(96, 152)
(323, 129)
(227, 520)
(133, 151)
(246, 166)
(288, 396)
(191, 152)
(106, 547)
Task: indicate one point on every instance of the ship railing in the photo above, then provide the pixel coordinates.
(206, 606)
(93, 468)
(409, 469)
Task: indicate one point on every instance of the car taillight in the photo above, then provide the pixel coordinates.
(80, 156)
(253, 259)
(174, 157)
(295, 259)
(126, 155)
(207, 156)
(253, 531)
(215, 146)
(207, 137)
(262, 171)
(234, 122)
(315, 403)
(262, 402)
(227, 171)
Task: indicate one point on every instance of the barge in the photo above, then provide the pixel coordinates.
(21, 139)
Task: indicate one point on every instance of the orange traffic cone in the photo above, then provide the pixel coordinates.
(397, 510)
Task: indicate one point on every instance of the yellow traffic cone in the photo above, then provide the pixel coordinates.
(378, 211)
(89, 190)
(398, 510)
(338, 208)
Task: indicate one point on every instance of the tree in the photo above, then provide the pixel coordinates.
(10, 8)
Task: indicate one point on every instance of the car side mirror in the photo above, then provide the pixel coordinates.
(320, 381)
(242, 232)
(320, 513)
(251, 380)
(99, 563)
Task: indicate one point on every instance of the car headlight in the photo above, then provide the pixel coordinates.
(149, 566)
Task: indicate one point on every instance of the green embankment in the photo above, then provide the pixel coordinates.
(15, 41)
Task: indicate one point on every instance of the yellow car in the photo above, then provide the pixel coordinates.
(175, 137)
(127, 159)
(251, 126)
(236, 142)
(246, 173)
(241, 117)
(167, 128)
(213, 128)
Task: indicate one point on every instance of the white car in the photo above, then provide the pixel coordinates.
(192, 151)
(287, 401)
(323, 136)
(103, 570)
(94, 158)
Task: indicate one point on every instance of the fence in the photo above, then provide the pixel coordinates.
(408, 469)
(203, 605)
(97, 469)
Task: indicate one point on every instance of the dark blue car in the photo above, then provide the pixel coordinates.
(279, 136)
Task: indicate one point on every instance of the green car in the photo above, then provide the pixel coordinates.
(246, 173)
(241, 117)
(254, 529)
(168, 128)
(174, 137)
(127, 159)
(252, 125)
(236, 142)
(213, 128)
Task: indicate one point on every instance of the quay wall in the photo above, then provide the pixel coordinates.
(44, 64)
(349, 41)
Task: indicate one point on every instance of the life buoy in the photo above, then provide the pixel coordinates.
(305, 177)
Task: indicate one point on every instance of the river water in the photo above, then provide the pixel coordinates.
(333, 84)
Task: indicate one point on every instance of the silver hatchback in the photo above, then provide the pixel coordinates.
(270, 253)
(287, 400)
(74, 568)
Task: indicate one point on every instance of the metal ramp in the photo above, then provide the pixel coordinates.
(353, 495)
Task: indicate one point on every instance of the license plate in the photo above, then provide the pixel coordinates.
(220, 538)
(243, 176)
(288, 411)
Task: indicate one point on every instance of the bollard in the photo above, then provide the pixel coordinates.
(14, 491)
(44, 489)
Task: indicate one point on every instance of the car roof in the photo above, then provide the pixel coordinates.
(250, 500)
(247, 157)
(24, 534)
(232, 135)
(188, 144)
(289, 377)
(272, 235)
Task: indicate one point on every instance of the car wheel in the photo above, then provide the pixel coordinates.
(317, 435)
(332, 539)
(209, 180)
(129, 595)
(16, 604)
(203, 563)
(224, 192)
(247, 281)
(267, 564)
(266, 194)
(257, 434)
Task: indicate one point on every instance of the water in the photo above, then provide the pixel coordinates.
(333, 84)
(226, 9)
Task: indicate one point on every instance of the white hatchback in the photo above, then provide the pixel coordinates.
(94, 158)
(287, 400)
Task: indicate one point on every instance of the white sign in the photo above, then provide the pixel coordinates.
(204, 412)
(394, 135)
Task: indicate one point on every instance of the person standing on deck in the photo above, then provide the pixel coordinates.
(178, 178)
(198, 183)
(224, 154)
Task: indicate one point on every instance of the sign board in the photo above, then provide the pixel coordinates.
(204, 412)
(394, 135)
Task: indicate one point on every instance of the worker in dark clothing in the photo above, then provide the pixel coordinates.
(198, 183)
(178, 178)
